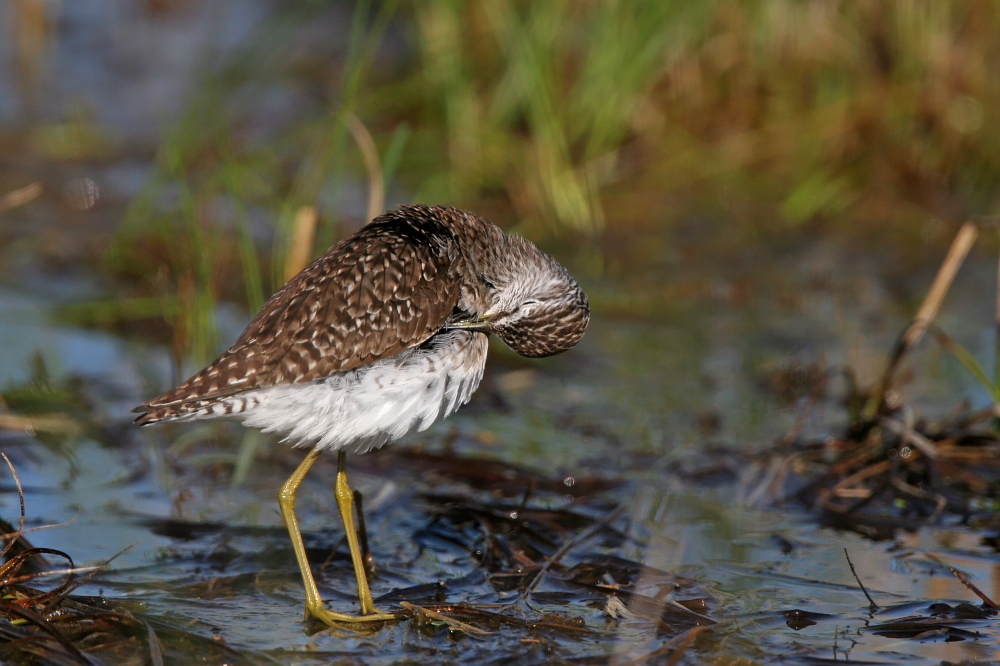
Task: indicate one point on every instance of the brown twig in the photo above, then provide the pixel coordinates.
(975, 590)
(844, 486)
(872, 606)
(911, 436)
(434, 615)
(940, 501)
(689, 637)
(366, 553)
(568, 546)
(676, 646)
(153, 645)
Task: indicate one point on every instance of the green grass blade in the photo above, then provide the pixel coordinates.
(966, 359)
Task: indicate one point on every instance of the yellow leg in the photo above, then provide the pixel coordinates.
(345, 500)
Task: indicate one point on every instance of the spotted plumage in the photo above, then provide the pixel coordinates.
(379, 337)
(385, 332)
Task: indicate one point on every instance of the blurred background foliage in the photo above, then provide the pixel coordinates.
(582, 122)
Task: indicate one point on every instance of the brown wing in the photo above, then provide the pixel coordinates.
(388, 287)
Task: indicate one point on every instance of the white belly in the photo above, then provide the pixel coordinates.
(364, 408)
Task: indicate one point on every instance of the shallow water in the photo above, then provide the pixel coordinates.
(703, 342)
(633, 406)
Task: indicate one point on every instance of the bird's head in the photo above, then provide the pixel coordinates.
(537, 308)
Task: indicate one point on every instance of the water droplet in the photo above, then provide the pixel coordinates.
(81, 193)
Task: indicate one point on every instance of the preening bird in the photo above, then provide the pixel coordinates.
(379, 337)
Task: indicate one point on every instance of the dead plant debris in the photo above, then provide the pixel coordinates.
(892, 469)
(52, 626)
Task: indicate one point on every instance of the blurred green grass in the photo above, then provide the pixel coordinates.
(574, 121)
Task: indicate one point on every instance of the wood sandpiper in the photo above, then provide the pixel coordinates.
(379, 337)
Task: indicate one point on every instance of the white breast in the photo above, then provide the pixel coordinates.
(364, 408)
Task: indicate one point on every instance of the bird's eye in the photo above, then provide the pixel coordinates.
(526, 307)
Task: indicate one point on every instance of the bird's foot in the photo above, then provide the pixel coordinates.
(332, 618)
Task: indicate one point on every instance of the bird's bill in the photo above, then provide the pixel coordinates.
(480, 323)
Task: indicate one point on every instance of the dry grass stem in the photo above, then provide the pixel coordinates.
(957, 253)
(300, 250)
(376, 185)
(56, 423)
(20, 196)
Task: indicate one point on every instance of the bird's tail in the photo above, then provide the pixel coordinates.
(212, 408)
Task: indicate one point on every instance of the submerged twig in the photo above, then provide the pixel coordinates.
(153, 646)
(872, 606)
(685, 640)
(565, 548)
(440, 617)
(675, 647)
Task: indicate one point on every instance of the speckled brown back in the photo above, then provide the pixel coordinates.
(388, 287)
